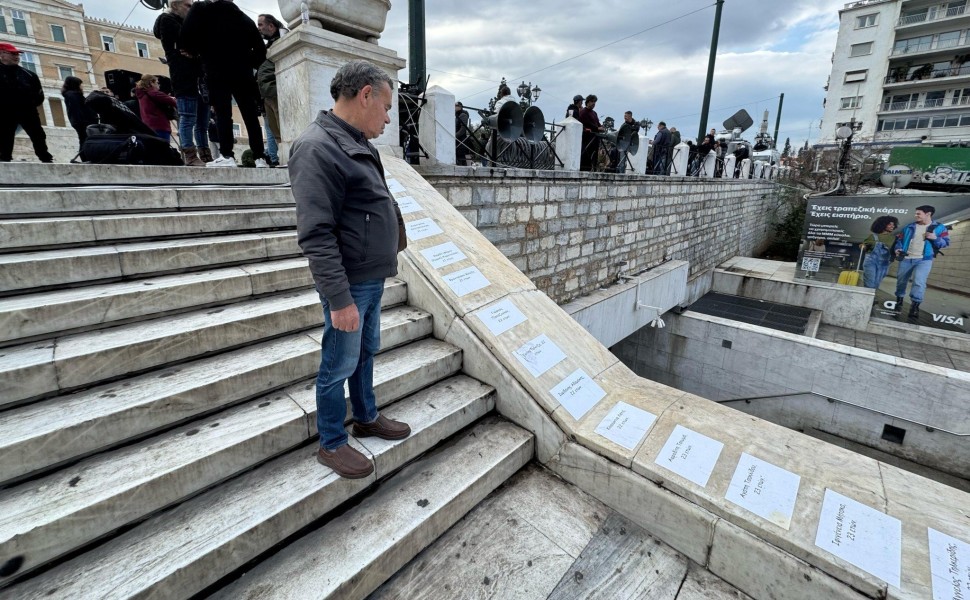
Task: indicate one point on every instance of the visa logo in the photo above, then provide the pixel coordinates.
(949, 320)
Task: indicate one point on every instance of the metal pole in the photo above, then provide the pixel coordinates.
(706, 107)
(417, 55)
(781, 101)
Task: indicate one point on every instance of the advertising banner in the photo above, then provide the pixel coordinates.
(911, 248)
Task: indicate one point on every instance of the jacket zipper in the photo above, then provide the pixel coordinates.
(363, 258)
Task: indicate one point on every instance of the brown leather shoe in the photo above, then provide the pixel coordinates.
(346, 462)
(383, 428)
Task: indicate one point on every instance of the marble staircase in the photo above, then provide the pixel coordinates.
(158, 343)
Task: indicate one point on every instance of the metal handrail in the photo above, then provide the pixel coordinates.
(930, 428)
(927, 17)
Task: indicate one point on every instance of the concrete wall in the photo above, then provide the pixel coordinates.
(951, 270)
(570, 232)
(720, 360)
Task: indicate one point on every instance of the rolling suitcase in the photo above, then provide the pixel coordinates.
(852, 277)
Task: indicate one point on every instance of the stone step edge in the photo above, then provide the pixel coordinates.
(256, 507)
(112, 262)
(84, 304)
(28, 456)
(353, 554)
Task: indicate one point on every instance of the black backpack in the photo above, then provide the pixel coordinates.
(105, 147)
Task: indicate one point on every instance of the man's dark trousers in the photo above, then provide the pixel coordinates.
(29, 119)
(244, 89)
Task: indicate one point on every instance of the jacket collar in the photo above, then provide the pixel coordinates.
(347, 137)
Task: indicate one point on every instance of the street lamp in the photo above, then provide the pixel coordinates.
(528, 93)
(646, 124)
(608, 123)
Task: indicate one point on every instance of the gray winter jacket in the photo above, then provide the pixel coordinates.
(348, 224)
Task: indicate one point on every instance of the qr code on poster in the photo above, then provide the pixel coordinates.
(811, 264)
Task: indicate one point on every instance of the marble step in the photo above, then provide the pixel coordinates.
(46, 313)
(58, 201)
(44, 269)
(38, 175)
(356, 552)
(178, 552)
(19, 234)
(43, 519)
(45, 434)
(65, 363)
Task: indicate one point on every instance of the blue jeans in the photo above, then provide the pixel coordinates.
(875, 266)
(919, 268)
(193, 117)
(272, 148)
(349, 355)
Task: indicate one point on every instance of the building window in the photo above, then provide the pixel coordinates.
(856, 76)
(107, 43)
(916, 44)
(866, 20)
(934, 99)
(65, 72)
(851, 102)
(860, 49)
(142, 49)
(57, 33)
(956, 8)
(28, 60)
(961, 96)
(3, 23)
(19, 22)
(236, 130)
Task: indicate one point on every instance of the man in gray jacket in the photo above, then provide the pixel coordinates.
(350, 229)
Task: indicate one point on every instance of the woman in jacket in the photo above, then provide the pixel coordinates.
(78, 113)
(878, 247)
(155, 105)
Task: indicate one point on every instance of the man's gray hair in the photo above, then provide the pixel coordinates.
(353, 76)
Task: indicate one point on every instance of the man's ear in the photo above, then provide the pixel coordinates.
(366, 92)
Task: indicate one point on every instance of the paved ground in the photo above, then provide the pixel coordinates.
(887, 344)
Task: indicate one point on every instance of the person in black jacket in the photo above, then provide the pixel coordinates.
(20, 95)
(231, 48)
(350, 230)
(193, 109)
(78, 113)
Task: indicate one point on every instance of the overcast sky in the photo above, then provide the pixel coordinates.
(655, 65)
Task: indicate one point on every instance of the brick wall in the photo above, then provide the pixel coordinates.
(570, 231)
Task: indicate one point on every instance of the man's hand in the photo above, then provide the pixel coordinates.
(345, 319)
(930, 235)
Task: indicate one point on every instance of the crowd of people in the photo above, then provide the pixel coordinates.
(216, 56)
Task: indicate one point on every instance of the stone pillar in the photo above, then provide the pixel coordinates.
(678, 162)
(569, 142)
(759, 169)
(745, 168)
(639, 160)
(729, 162)
(437, 126)
(710, 164)
(306, 60)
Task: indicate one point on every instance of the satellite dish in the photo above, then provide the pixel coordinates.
(843, 132)
(155, 4)
(897, 176)
(739, 120)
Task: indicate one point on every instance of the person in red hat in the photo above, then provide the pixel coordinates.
(20, 95)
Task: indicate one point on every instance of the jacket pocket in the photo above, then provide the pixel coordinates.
(365, 243)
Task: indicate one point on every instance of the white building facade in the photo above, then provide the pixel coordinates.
(901, 73)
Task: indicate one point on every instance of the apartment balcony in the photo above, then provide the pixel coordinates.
(935, 103)
(951, 75)
(929, 48)
(932, 15)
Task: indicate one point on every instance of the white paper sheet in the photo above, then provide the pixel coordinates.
(408, 205)
(443, 255)
(626, 425)
(578, 393)
(422, 228)
(466, 281)
(539, 355)
(861, 535)
(395, 186)
(690, 454)
(765, 489)
(501, 316)
(950, 566)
